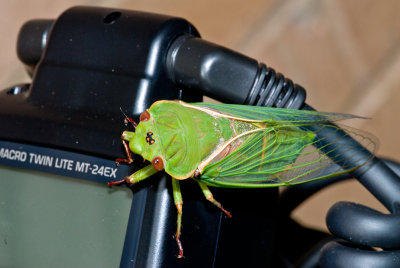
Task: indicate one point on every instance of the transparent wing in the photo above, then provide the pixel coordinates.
(274, 115)
(287, 155)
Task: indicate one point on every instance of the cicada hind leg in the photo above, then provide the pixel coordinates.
(176, 189)
(209, 196)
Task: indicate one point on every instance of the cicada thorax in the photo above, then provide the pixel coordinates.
(188, 136)
(184, 136)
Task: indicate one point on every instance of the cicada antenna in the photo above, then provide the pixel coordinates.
(128, 119)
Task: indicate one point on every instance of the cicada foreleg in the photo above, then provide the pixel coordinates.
(139, 175)
(128, 158)
(127, 119)
(178, 203)
(209, 196)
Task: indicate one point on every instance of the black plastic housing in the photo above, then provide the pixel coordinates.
(94, 62)
(89, 69)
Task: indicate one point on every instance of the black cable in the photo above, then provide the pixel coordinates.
(228, 76)
(352, 222)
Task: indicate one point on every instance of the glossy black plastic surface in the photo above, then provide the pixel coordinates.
(97, 61)
(32, 40)
(357, 224)
(229, 76)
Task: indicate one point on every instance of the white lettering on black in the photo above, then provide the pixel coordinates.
(43, 160)
(11, 154)
(57, 162)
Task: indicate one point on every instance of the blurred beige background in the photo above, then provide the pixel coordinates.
(345, 53)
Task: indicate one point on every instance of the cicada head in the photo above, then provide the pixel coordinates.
(144, 141)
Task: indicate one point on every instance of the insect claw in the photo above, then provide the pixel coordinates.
(178, 241)
(119, 160)
(128, 119)
(227, 213)
(209, 196)
(110, 183)
(218, 204)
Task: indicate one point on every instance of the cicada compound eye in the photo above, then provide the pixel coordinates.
(158, 163)
(145, 116)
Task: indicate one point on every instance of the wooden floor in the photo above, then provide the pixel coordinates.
(345, 53)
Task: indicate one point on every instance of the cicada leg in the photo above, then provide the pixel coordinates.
(209, 196)
(139, 175)
(128, 158)
(130, 120)
(178, 203)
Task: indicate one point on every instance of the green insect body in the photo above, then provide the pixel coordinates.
(233, 146)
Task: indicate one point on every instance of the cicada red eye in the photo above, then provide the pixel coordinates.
(145, 116)
(157, 163)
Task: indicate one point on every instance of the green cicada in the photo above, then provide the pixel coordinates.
(227, 145)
